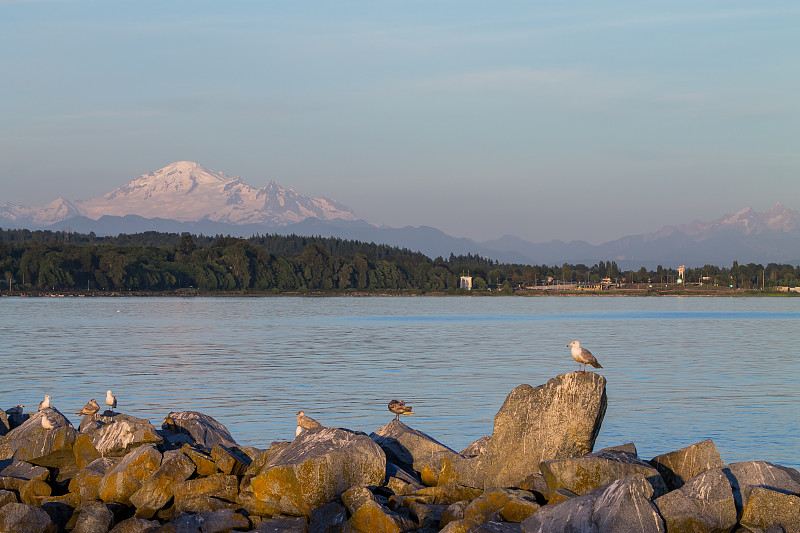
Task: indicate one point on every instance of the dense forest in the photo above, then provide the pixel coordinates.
(50, 261)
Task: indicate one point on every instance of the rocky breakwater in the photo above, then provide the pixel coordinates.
(536, 472)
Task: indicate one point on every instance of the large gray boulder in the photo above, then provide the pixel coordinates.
(45, 439)
(157, 489)
(623, 505)
(315, 468)
(201, 429)
(760, 474)
(769, 510)
(15, 474)
(682, 465)
(704, 503)
(24, 518)
(558, 419)
(586, 473)
(113, 439)
(406, 447)
(91, 517)
(86, 482)
(221, 521)
(121, 481)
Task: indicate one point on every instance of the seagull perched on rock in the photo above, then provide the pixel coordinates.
(305, 422)
(91, 408)
(47, 423)
(44, 404)
(398, 407)
(582, 356)
(15, 410)
(111, 400)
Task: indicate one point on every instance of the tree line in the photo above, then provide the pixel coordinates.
(159, 262)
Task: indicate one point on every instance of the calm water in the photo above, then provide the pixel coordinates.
(679, 370)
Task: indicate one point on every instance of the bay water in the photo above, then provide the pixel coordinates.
(679, 369)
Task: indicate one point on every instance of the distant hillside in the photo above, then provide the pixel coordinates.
(186, 197)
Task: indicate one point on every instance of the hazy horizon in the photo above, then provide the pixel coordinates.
(542, 121)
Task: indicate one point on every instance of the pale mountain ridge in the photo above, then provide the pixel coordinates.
(186, 191)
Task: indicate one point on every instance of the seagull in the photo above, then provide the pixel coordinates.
(47, 423)
(91, 408)
(582, 356)
(305, 422)
(44, 404)
(111, 400)
(15, 410)
(398, 407)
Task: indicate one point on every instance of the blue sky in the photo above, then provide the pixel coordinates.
(568, 120)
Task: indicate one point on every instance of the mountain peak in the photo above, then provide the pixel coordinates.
(187, 191)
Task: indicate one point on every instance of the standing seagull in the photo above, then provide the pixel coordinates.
(44, 404)
(111, 401)
(305, 422)
(398, 407)
(91, 408)
(582, 356)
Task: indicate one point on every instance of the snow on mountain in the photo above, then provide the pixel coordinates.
(186, 191)
(747, 222)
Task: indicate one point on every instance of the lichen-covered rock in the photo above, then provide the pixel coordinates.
(32, 442)
(203, 462)
(202, 429)
(442, 495)
(451, 513)
(221, 486)
(368, 515)
(510, 505)
(230, 461)
(91, 517)
(760, 474)
(316, 467)
(584, 474)
(704, 503)
(6, 497)
(623, 505)
(115, 439)
(157, 489)
(221, 521)
(33, 491)
(24, 518)
(406, 447)
(125, 478)
(86, 482)
(682, 465)
(556, 420)
(14, 474)
(769, 510)
(136, 525)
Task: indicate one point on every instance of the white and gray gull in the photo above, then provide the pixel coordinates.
(111, 400)
(582, 356)
(305, 422)
(44, 404)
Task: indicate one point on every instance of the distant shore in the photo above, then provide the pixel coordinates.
(617, 291)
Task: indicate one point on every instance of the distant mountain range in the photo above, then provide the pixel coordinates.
(185, 196)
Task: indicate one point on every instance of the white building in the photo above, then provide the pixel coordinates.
(465, 283)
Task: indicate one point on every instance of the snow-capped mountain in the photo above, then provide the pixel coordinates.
(745, 222)
(186, 191)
